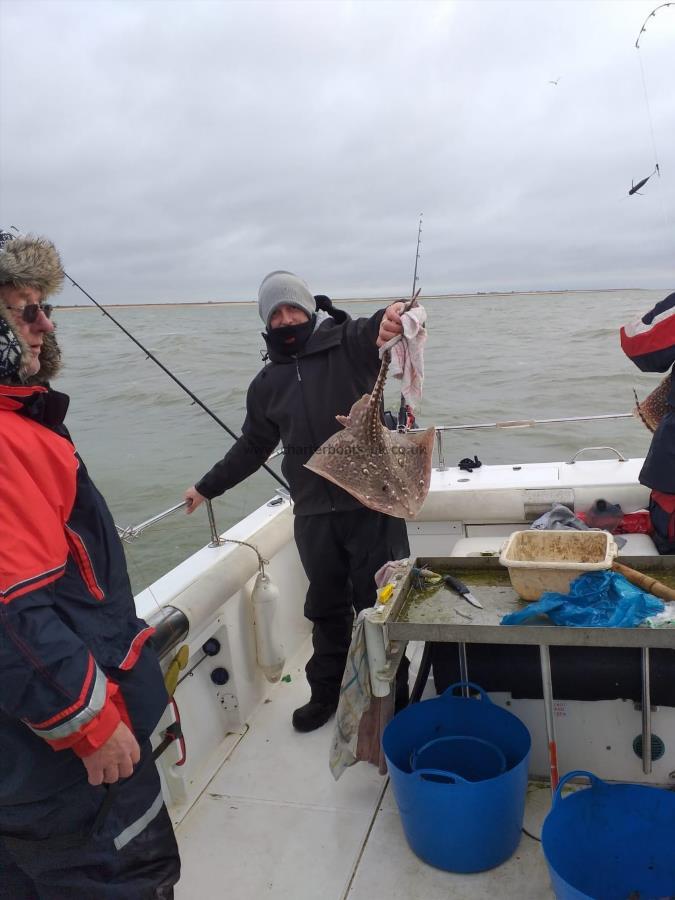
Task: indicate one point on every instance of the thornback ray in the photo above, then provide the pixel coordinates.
(654, 407)
(385, 470)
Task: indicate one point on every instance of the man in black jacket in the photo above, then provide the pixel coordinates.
(318, 365)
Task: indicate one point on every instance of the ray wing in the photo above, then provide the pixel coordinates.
(388, 472)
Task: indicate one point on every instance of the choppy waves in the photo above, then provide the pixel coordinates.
(488, 358)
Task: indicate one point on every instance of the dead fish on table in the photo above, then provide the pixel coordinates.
(423, 579)
(385, 470)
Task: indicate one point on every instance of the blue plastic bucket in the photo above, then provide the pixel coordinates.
(452, 823)
(610, 841)
(468, 758)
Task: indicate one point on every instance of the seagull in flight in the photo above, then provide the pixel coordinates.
(556, 81)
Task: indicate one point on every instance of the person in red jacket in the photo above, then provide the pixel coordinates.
(81, 809)
(650, 343)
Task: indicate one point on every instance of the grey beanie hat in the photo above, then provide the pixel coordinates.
(281, 288)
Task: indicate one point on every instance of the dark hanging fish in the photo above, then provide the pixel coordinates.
(635, 188)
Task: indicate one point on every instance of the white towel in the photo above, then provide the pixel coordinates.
(361, 718)
(391, 571)
(354, 701)
(407, 356)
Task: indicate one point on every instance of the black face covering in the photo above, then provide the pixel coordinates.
(278, 338)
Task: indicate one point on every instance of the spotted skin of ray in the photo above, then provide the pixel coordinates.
(654, 407)
(383, 469)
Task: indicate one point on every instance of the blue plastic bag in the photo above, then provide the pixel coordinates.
(602, 599)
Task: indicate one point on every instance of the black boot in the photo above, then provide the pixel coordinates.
(401, 696)
(402, 691)
(313, 715)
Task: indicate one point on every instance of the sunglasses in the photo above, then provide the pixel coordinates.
(29, 313)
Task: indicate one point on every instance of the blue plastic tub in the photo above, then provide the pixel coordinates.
(449, 822)
(468, 758)
(611, 841)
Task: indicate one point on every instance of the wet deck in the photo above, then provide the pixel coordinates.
(274, 823)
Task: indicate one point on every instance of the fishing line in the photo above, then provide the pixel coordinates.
(149, 355)
(649, 111)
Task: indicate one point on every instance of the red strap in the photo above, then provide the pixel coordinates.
(665, 501)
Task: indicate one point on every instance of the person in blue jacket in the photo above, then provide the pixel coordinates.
(81, 808)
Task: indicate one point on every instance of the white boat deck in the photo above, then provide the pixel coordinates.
(273, 823)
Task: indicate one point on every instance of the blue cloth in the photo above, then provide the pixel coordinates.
(602, 599)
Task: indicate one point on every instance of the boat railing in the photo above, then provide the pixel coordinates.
(511, 423)
(129, 533)
(171, 625)
(619, 455)
(519, 423)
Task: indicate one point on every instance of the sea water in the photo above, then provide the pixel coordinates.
(490, 357)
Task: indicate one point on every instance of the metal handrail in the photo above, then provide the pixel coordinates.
(131, 532)
(513, 423)
(528, 423)
(516, 423)
(619, 455)
(216, 540)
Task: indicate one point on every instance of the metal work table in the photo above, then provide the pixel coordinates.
(441, 615)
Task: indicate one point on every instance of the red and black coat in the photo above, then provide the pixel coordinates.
(73, 655)
(650, 344)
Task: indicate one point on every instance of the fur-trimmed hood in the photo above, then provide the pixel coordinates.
(32, 262)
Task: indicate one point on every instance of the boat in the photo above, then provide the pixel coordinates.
(256, 809)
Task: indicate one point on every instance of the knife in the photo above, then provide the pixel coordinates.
(462, 590)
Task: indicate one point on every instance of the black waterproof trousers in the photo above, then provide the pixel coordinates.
(340, 553)
(112, 842)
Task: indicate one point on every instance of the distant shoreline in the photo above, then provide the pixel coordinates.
(476, 295)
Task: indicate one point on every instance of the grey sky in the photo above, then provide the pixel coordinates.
(181, 150)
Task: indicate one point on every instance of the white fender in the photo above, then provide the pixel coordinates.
(269, 649)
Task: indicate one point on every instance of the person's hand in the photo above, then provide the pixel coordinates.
(115, 759)
(391, 324)
(193, 498)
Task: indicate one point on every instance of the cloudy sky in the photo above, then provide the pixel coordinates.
(181, 150)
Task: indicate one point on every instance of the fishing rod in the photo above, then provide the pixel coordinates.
(402, 410)
(417, 255)
(6, 236)
(651, 14)
(150, 355)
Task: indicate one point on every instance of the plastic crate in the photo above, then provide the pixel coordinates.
(540, 561)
